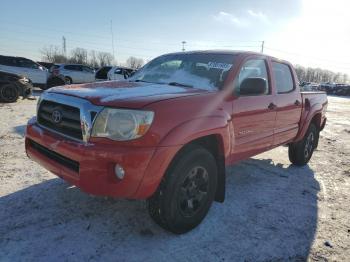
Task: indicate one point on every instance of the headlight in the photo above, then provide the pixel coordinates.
(24, 80)
(122, 124)
(37, 105)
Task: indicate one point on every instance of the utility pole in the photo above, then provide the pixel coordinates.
(262, 46)
(112, 37)
(64, 47)
(183, 46)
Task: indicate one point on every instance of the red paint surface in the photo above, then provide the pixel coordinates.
(245, 126)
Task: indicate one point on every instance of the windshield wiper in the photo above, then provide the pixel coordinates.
(178, 84)
(140, 80)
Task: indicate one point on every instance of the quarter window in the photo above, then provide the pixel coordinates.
(283, 78)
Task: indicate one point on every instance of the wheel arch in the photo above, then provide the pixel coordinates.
(215, 145)
(315, 119)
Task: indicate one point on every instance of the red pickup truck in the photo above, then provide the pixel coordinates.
(167, 133)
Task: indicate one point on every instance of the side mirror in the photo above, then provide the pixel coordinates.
(253, 86)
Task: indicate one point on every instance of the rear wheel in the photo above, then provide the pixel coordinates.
(68, 80)
(187, 191)
(9, 93)
(301, 152)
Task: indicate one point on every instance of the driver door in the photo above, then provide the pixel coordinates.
(253, 115)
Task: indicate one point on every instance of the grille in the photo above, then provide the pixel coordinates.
(68, 121)
(69, 163)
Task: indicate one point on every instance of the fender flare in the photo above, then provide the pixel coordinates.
(307, 119)
(193, 129)
(175, 140)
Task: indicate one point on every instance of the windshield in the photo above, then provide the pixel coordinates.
(200, 70)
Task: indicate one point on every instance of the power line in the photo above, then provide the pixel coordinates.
(303, 55)
(97, 36)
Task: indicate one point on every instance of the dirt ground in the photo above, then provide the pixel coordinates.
(273, 211)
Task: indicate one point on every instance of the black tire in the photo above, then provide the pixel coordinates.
(301, 152)
(8, 93)
(55, 81)
(68, 80)
(186, 192)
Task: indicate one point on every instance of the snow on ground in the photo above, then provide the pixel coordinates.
(273, 211)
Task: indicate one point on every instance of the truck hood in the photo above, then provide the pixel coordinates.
(124, 93)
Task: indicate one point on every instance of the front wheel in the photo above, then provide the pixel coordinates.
(186, 192)
(301, 152)
(8, 93)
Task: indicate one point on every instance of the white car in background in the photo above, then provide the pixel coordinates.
(36, 73)
(74, 73)
(117, 73)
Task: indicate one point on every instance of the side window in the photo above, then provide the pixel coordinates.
(22, 62)
(254, 68)
(283, 78)
(73, 67)
(8, 61)
(88, 69)
(68, 67)
(118, 71)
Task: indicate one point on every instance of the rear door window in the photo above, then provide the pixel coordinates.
(8, 61)
(73, 67)
(283, 78)
(22, 62)
(87, 69)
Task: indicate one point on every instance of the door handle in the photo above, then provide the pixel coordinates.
(271, 106)
(297, 102)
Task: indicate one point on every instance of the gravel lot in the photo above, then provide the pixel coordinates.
(273, 211)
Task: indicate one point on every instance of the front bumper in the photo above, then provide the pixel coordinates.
(92, 164)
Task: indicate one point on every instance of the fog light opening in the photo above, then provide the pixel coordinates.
(119, 171)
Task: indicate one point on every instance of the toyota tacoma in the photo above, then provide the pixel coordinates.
(166, 133)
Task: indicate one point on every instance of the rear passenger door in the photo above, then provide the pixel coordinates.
(254, 115)
(88, 74)
(74, 72)
(288, 102)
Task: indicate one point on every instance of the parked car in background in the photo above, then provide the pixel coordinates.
(74, 73)
(342, 90)
(113, 73)
(101, 74)
(119, 73)
(55, 80)
(310, 87)
(12, 86)
(47, 65)
(36, 73)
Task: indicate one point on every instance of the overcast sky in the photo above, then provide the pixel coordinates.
(309, 32)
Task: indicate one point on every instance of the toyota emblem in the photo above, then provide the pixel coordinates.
(56, 116)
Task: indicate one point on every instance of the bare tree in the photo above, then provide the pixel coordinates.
(53, 54)
(134, 62)
(104, 58)
(93, 61)
(319, 75)
(79, 56)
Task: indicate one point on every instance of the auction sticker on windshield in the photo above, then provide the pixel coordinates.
(223, 66)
